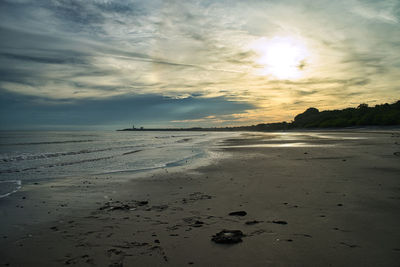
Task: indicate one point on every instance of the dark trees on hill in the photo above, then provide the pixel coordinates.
(385, 114)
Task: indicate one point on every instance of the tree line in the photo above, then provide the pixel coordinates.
(363, 115)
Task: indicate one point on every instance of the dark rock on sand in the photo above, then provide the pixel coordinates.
(195, 197)
(197, 224)
(349, 245)
(118, 205)
(252, 222)
(238, 213)
(116, 264)
(115, 206)
(280, 222)
(228, 237)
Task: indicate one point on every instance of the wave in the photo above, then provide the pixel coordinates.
(59, 154)
(175, 136)
(14, 186)
(170, 164)
(48, 143)
(68, 163)
(46, 155)
(159, 166)
(54, 165)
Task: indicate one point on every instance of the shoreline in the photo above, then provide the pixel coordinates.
(340, 204)
(367, 128)
(51, 200)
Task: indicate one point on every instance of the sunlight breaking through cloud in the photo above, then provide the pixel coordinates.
(277, 57)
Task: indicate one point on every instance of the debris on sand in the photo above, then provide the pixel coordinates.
(118, 205)
(228, 237)
(193, 221)
(142, 203)
(238, 213)
(349, 245)
(252, 222)
(195, 197)
(280, 222)
(197, 224)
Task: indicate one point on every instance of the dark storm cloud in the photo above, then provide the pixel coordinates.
(45, 60)
(118, 111)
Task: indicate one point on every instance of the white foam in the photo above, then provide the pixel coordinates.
(17, 185)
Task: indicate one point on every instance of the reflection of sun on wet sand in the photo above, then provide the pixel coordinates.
(294, 199)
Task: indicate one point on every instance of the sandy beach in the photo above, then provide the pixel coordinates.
(301, 199)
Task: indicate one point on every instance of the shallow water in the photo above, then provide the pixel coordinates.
(36, 156)
(298, 139)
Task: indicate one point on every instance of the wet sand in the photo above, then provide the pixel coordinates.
(302, 199)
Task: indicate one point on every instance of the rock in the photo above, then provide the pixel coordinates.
(238, 213)
(197, 224)
(228, 237)
(115, 206)
(121, 207)
(195, 197)
(116, 264)
(159, 207)
(252, 222)
(280, 222)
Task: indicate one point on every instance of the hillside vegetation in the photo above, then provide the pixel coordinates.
(363, 115)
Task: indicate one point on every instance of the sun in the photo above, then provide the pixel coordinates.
(281, 57)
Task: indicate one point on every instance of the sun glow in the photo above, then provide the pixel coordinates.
(282, 58)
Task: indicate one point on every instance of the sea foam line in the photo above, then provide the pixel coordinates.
(18, 187)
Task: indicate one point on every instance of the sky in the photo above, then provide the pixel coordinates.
(107, 64)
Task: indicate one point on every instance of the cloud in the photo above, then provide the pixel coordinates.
(116, 112)
(381, 11)
(78, 51)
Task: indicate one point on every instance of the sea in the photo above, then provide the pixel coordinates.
(38, 156)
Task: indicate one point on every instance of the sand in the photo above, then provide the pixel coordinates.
(301, 200)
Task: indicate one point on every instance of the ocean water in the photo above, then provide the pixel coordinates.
(27, 157)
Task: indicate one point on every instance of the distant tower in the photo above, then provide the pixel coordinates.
(133, 126)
